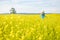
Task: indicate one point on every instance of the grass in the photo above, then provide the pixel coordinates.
(29, 27)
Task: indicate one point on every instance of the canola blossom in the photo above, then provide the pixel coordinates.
(29, 27)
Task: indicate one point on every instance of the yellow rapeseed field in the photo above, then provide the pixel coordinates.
(29, 27)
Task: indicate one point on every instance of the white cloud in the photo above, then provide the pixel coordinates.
(30, 6)
(4, 9)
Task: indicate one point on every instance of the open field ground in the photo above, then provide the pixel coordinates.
(29, 27)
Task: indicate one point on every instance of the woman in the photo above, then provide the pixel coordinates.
(43, 14)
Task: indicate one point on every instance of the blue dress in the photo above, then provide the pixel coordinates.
(43, 15)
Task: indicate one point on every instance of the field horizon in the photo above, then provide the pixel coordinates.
(29, 13)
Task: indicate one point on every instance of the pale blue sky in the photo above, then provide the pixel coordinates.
(30, 6)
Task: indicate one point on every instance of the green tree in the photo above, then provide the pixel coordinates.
(12, 11)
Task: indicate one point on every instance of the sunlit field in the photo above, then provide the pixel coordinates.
(29, 27)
